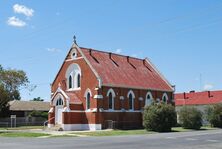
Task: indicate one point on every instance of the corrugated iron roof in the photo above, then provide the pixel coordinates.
(18, 105)
(198, 98)
(124, 71)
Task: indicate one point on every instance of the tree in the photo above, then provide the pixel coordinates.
(159, 117)
(11, 81)
(38, 99)
(214, 115)
(190, 118)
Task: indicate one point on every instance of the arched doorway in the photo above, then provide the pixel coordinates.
(58, 111)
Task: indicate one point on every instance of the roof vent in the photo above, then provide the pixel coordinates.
(193, 91)
(184, 96)
(90, 53)
(110, 57)
(209, 94)
(144, 63)
(128, 60)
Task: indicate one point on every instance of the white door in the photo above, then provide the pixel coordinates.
(58, 115)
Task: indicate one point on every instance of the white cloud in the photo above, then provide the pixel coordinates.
(118, 51)
(13, 21)
(53, 50)
(208, 87)
(21, 9)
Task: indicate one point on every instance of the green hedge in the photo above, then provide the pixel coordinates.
(190, 118)
(159, 117)
(214, 115)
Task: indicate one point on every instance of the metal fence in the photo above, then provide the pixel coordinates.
(22, 121)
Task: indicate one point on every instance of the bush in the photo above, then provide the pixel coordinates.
(190, 118)
(159, 117)
(39, 114)
(214, 115)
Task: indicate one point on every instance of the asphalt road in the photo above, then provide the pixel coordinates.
(211, 139)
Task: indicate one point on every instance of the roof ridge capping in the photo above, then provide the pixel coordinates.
(113, 53)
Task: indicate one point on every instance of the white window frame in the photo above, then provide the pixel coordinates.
(113, 98)
(151, 99)
(73, 70)
(133, 99)
(85, 95)
(166, 96)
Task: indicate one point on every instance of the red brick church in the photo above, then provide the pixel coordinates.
(93, 88)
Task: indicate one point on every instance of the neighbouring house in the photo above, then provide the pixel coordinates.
(27, 113)
(93, 88)
(24, 108)
(199, 100)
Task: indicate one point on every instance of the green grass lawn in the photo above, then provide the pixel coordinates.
(22, 134)
(21, 128)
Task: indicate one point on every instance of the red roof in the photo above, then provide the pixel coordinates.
(74, 99)
(198, 98)
(123, 71)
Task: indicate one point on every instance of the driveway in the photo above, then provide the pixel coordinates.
(211, 139)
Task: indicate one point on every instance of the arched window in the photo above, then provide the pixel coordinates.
(88, 101)
(130, 101)
(111, 95)
(88, 95)
(59, 102)
(70, 81)
(73, 76)
(78, 80)
(165, 98)
(149, 99)
(110, 101)
(131, 98)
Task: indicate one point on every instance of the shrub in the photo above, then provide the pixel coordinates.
(214, 115)
(159, 117)
(190, 118)
(39, 114)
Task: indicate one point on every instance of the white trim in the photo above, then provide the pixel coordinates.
(140, 98)
(166, 96)
(151, 99)
(121, 97)
(68, 60)
(122, 110)
(90, 66)
(51, 110)
(50, 125)
(135, 87)
(133, 96)
(113, 98)
(91, 127)
(98, 97)
(102, 110)
(87, 91)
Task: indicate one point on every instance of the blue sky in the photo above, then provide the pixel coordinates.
(182, 38)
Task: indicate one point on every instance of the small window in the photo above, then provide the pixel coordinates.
(78, 80)
(74, 54)
(164, 98)
(110, 101)
(70, 81)
(59, 102)
(88, 101)
(130, 101)
(149, 99)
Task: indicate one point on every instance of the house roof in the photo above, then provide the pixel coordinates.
(17, 105)
(123, 71)
(198, 98)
